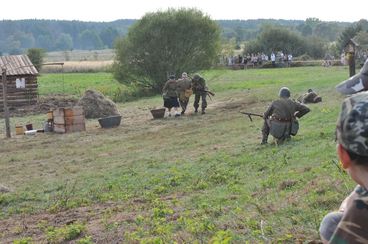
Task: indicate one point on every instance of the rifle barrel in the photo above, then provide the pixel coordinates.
(251, 114)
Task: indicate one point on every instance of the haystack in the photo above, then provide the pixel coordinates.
(96, 105)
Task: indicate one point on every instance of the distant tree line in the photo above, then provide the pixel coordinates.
(312, 36)
(18, 36)
(53, 35)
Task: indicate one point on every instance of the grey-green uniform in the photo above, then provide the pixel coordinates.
(280, 115)
(199, 89)
(184, 91)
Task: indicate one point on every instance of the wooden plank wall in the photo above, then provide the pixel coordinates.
(18, 97)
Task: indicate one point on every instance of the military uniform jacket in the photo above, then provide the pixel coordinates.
(353, 227)
(284, 109)
(169, 89)
(199, 86)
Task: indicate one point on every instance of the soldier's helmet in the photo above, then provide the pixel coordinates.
(196, 77)
(172, 77)
(310, 90)
(356, 83)
(352, 124)
(184, 75)
(284, 92)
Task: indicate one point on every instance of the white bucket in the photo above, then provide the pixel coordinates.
(30, 132)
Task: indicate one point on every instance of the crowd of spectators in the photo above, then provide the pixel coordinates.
(278, 59)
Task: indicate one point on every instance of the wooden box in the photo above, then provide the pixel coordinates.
(68, 120)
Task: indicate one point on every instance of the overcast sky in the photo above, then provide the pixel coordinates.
(109, 10)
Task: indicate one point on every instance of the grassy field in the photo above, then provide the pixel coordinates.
(76, 83)
(194, 179)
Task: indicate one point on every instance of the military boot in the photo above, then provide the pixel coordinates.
(264, 140)
(203, 111)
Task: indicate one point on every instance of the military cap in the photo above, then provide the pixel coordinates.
(172, 77)
(356, 83)
(352, 124)
(196, 77)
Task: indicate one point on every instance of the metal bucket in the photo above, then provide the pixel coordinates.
(158, 113)
(110, 122)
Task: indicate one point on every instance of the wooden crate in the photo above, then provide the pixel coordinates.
(68, 120)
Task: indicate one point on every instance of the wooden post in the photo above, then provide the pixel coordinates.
(352, 64)
(5, 101)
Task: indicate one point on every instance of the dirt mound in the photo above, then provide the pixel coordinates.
(96, 105)
(48, 103)
(43, 105)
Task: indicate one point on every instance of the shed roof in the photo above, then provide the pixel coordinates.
(17, 65)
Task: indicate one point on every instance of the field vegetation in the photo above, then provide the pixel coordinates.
(193, 179)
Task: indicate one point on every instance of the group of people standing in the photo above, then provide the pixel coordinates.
(176, 93)
(257, 59)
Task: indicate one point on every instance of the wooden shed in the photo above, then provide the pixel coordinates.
(21, 78)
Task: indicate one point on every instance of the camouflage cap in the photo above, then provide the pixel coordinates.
(356, 83)
(352, 124)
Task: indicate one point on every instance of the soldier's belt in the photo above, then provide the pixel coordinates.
(280, 119)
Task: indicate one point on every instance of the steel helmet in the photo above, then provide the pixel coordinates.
(284, 92)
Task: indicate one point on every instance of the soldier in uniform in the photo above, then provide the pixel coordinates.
(184, 89)
(310, 97)
(356, 83)
(170, 95)
(350, 223)
(280, 117)
(200, 91)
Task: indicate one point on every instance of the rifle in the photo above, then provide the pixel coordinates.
(251, 114)
(210, 93)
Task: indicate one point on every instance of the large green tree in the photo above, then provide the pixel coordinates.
(36, 56)
(166, 42)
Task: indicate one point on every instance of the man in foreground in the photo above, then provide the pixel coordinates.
(350, 223)
(280, 117)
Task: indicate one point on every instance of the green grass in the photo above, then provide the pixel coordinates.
(190, 179)
(77, 83)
